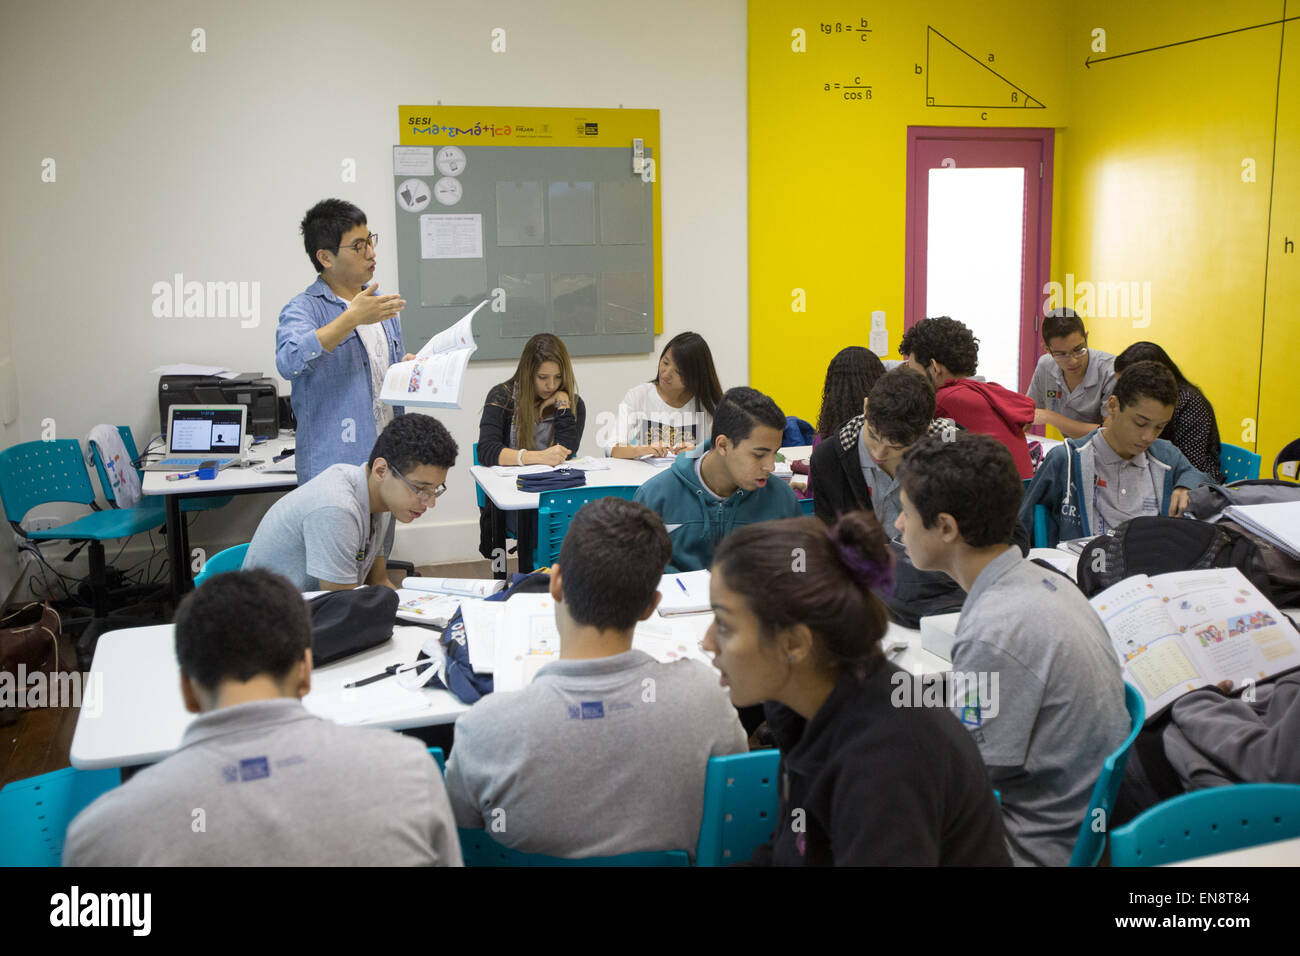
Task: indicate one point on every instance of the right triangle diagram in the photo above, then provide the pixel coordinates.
(960, 79)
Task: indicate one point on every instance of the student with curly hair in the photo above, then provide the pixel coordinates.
(948, 353)
(849, 378)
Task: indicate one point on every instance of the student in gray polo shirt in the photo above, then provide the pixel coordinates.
(1071, 382)
(1055, 707)
(335, 532)
(259, 781)
(605, 751)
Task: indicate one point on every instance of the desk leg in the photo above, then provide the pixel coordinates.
(178, 553)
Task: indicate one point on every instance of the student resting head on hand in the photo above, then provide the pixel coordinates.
(864, 780)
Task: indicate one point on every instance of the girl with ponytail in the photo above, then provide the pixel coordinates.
(869, 776)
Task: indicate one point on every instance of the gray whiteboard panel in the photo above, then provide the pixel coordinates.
(566, 237)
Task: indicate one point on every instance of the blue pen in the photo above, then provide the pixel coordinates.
(682, 586)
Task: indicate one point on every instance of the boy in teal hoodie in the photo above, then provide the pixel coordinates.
(1091, 485)
(726, 484)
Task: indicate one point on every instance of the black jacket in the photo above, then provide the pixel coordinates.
(868, 783)
(494, 435)
(838, 486)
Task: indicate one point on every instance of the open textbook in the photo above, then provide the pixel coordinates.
(436, 376)
(1177, 632)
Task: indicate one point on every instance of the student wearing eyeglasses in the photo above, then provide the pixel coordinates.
(1071, 382)
(336, 340)
(335, 532)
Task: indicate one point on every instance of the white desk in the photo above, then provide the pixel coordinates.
(140, 718)
(505, 495)
(1281, 853)
(229, 481)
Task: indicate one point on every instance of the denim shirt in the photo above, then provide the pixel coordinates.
(331, 390)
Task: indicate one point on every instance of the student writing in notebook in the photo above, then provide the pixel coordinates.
(674, 411)
(334, 532)
(947, 352)
(277, 785)
(533, 418)
(1071, 382)
(724, 484)
(1122, 470)
(605, 751)
(1046, 702)
(863, 781)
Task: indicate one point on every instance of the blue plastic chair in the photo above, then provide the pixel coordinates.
(230, 559)
(1090, 845)
(439, 758)
(740, 807)
(555, 509)
(41, 472)
(1238, 463)
(35, 813)
(478, 492)
(1042, 528)
(188, 505)
(1210, 821)
(477, 848)
(808, 506)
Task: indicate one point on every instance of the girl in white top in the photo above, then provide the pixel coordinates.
(673, 412)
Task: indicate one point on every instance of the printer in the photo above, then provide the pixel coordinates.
(252, 389)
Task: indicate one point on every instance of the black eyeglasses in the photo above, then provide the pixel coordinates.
(359, 247)
(424, 494)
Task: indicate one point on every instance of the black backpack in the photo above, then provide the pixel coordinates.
(1158, 545)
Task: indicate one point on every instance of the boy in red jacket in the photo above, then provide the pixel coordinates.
(948, 353)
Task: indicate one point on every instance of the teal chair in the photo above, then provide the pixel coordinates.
(555, 509)
(231, 559)
(1237, 463)
(478, 492)
(35, 813)
(1090, 845)
(1042, 528)
(439, 758)
(35, 473)
(477, 848)
(807, 506)
(188, 505)
(1210, 821)
(740, 807)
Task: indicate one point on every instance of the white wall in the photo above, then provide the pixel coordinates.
(173, 161)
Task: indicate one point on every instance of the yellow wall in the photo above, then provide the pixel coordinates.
(1154, 193)
(1148, 182)
(827, 200)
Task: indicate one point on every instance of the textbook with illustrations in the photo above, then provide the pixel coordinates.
(436, 376)
(1185, 630)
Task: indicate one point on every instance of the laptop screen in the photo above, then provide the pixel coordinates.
(200, 431)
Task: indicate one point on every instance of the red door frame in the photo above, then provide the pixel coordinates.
(1036, 262)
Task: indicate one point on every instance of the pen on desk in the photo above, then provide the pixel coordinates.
(388, 672)
(682, 586)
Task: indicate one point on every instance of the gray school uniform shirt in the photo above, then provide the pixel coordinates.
(322, 531)
(268, 784)
(885, 500)
(594, 757)
(1056, 709)
(1084, 404)
(1122, 488)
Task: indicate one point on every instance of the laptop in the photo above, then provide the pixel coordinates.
(199, 433)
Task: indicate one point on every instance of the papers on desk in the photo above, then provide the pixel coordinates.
(659, 462)
(384, 699)
(481, 620)
(426, 607)
(526, 641)
(464, 587)
(184, 369)
(581, 464)
(1277, 523)
(436, 376)
(684, 593)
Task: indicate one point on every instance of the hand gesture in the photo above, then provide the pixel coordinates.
(369, 308)
(553, 456)
(1179, 501)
